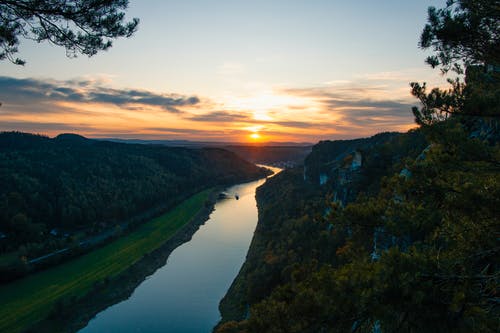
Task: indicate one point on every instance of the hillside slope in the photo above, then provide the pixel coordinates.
(55, 191)
(396, 236)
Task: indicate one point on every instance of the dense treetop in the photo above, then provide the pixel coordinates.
(72, 183)
(465, 38)
(464, 33)
(416, 248)
(80, 26)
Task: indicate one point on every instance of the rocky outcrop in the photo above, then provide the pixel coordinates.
(328, 156)
(293, 206)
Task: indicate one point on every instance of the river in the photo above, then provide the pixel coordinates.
(183, 296)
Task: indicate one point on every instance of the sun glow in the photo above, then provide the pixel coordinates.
(255, 136)
(265, 105)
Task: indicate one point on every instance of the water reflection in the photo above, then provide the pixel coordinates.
(183, 295)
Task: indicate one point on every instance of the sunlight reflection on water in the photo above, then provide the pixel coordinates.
(183, 296)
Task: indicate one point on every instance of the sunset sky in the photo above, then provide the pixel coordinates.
(270, 70)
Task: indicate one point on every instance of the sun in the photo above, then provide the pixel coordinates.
(255, 136)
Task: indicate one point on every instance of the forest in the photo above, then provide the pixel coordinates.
(412, 246)
(394, 233)
(278, 155)
(58, 192)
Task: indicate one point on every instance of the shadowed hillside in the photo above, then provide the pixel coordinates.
(59, 192)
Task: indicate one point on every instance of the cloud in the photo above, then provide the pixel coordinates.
(340, 110)
(216, 134)
(364, 110)
(239, 117)
(294, 124)
(221, 117)
(31, 91)
(36, 127)
(343, 92)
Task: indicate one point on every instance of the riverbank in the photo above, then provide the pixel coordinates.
(281, 193)
(68, 296)
(183, 296)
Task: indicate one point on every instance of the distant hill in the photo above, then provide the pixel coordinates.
(287, 202)
(393, 233)
(280, 154)
(71, 184)
(200, 144)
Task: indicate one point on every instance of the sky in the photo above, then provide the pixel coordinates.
(231, 70)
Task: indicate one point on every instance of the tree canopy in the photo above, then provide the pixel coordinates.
(415, 249)
(465, 38)
(81, 27)
(82, 187)
(465, 32)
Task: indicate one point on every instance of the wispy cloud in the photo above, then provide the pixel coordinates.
(216, 134)
(362, 109)
(90, 107)
(36, 127)
(221, 117)
(27, 91)
(225, 117)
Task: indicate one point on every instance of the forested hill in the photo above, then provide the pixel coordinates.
(51, 187)
(292, 206)
(392, 235)
(280, 156)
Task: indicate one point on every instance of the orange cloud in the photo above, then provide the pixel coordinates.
(306, 114)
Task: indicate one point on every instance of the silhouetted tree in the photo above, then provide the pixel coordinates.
(465, 32)
(79, 26)
(465, 36)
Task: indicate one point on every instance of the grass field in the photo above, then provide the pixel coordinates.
(26, 301)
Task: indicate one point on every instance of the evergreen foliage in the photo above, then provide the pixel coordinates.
(79, 26)
(420, 256)
(72, 185)
(417, 250)
(464, 33)
(465, 36)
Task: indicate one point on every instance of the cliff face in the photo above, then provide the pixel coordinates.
(345, 168)
(291, 229)
(416, 250)
(328, 156)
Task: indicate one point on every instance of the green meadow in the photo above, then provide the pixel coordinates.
(29, 300)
